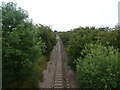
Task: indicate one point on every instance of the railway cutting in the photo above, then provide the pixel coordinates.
(58, 74)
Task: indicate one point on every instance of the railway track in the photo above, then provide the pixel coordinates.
(57, 73)
(60, 76)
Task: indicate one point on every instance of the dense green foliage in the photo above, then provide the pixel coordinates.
(23, 46)
(99, 68)
(47, 36)
(93, 52)
(76, 39)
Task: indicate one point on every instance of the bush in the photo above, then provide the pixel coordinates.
(99, 68)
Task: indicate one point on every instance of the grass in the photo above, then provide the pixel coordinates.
(41, 63)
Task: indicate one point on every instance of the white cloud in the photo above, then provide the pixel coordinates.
(67, 14)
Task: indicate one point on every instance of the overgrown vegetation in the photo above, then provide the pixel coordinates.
(99, 68)
(94, 55)
(25, 46)
(93, 52)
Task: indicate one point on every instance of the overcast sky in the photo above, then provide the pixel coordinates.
(63, 15)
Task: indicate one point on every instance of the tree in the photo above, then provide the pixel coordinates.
(21, 46)
(47, 36)
(99, 68)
